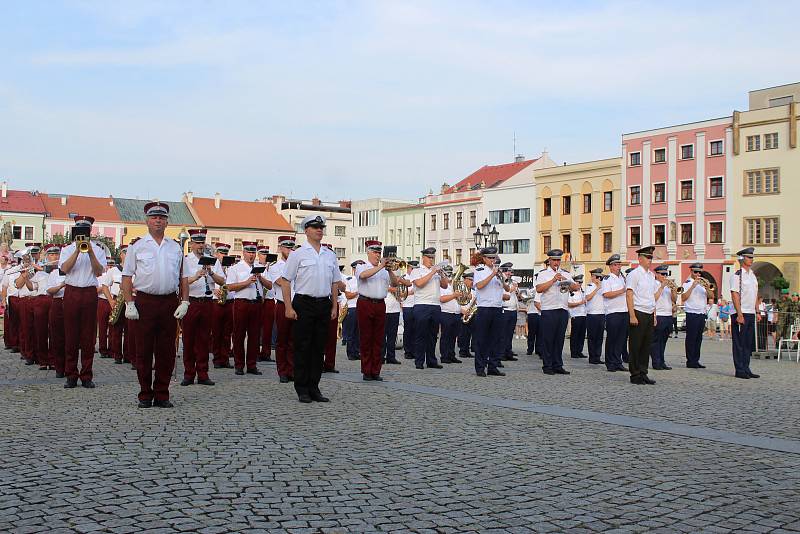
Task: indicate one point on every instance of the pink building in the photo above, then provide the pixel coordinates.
(675, 187)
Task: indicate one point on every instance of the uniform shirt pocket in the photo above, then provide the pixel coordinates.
(145, 263)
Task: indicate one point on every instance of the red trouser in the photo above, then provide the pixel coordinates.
(41, 319)
(27, 329)
(267, 318)
(80, 323)
(196, 325)
(246, 322)
(115, 337)
(330, 344)
(103, 313)
(129, 344)
(284, 347)
(222, 325)
(11, 323)
(371, 324)
(155, 340)
(56, 327)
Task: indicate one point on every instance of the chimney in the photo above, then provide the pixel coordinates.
(189, 196)
(4, 188)
(217, 200)
(345, 204)
(519, 158)
(111, 201)
(445, 187)
(315, 202)
(64, 200)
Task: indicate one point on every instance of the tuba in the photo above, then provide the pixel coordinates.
(460, 286)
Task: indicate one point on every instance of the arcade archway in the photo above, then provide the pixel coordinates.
(766, 272)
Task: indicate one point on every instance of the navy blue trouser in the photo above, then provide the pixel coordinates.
(408, 331)
(616, 338)
(695, 325)
(426, 326)
(465, 337)
(390, 336)
(451, 323)
(350, 332)
(595, 322)
(660, 336)
(553, 328)
(488, 329)
(577, 336)
(509, 324)
(533, 331)
(744, 342)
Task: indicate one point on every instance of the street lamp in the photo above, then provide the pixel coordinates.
(484, 237)
(183, 237)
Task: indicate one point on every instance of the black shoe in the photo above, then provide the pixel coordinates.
(352, 358)
(445, 360)
(692, 366)
(596, 362)
(638, 381)
(530, 353)
(435, 366)
(254, 371)
(468, 355)
(377, 378)
(648, 380)
(29, 362)
(753, 375)
(561, 371)
(71, 383)
(206, 382)
(333, 370)
(480, 373)
(500, 364)
(59, 375)
(13, 350)
(43, 368)
(495, 373)
(304, 398)
(512, 359)
(118, 361)
(420, 366)
(239, 371)
(318, 397)
(409, 356)
(393, 362)
(88, 384)
(455, 360)
(367, 378)
(612, 369)
(187, 381)
(283, 379)
(145, 403)
(163, 404)
(622, 368)
(701, 366)
(742, 375)
(666, 368)
(548, 371)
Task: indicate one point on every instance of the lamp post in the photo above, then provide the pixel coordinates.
(486, 235)
(183, 237)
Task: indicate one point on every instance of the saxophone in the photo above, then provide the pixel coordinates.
(342, 315)
(223, 295)
(467, 317)
(116, 313)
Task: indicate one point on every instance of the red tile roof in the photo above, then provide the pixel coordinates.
(239, 214)
(98, 207)
(22, 202)
(454, 201)
(490, 175)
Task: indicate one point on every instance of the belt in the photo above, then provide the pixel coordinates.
(199, 299)
(309, 297)
(369, 299)
(153, 295)
(246, 300)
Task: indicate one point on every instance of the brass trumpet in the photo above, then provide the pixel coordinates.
(673, 286)
(83, 243)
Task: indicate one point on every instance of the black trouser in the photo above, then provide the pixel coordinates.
(509, 324)
(640, 339)
(695, 326)
(577, 336)
(744, 341)
(595, 322)
(451, 323)
(310, 331)
(660, 336)
(533, 332)
(390, 337)
(465, 337)
(554, 328)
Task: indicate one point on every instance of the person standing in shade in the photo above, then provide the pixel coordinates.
(577, 318)
(695, 301)
(268, 310)
(534, 315)
(595, 317)
(465, 330)
(284, 346)
(56, 282)
(314, 272)
(510, 305)
(489, 317)
(222, 316)
(613, 291)
(554, 285)
(744, 293)
(393, 310)
(640, 295)
(428, 283)
(665, 304)
(247, 307)
(350, 326)
(450, 319)
(408, 313)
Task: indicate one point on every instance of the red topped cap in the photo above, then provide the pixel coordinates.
(286, 241)
(373, 244)
(83, 220)
(156, 209)
(263, 249)
(249, 246)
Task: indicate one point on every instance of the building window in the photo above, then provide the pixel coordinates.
(687, 234)
(391, 236)
(715, 187)
(298, 229)
(659, 193)
(716, 148)
(762, 182)
(660, 155)
(659, 234)
(762, 231)
(514, 246)
(459, 220)
(367, 218)
(636, 236)
(753, 143)
(770, 141)
(473, 216)
(587, 243)
(408, 237)
(22, 232)
(607, 241)
(339, 251)
(339, 231)
(636, 159)
(237, 243)
(458, 255)
(445, 254)
(419, 235)
(520, 215)
(687, 151)
(566, 243)
(587, 203)
(636, 195)
(715, 232)
(547, 243)
(362, 247)
(608, 200)
(566, 205)
(446, 221)
(687, 187)
(546, 207)
(433, 223)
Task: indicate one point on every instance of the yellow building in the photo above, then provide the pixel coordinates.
(578, 207)
(765, 182)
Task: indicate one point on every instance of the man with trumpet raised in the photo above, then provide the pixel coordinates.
(554, 284)
(488, 286)
(428, 283)
(666, 296)
(695, 298)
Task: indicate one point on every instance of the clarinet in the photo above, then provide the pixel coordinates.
(258, 293)
(208, 288)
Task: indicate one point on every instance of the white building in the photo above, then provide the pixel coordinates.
(404, 227)
(368, 224)
(337, 214)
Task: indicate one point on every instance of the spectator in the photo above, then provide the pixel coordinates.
(725, 310)
(712, 314)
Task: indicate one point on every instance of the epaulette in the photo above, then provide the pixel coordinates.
(606, 277)
(738, 273)
(479, 268)
(349, 278)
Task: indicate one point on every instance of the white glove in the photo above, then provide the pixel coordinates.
(181, 310)
(131, 312)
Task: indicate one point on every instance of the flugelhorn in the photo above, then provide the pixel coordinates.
(670, 283)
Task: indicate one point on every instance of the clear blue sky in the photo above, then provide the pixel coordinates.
(357, 99)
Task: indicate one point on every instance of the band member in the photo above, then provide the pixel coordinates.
(247, 305)
(329, 364)
(428, 282)
(80, 302)
(27, 293)
(10, 319)
(744, 293)
(374, 280)
(267, 311)
(284, 346)
(466, 328)
(315, 273)
(153, 268)
(577, 317)
(641, 287)
(450, 319)
(197, 322)
(489, 318)
(222, 317)
(350, 327)
(41, 307)
(665, 304)
(104, 300)
(118, 329)
(595, 317)
(129, 352)
(554, 284)
(533, 317)
(695, 298)
(393, 310)
(616, 307)
(56, 282)
(510, 305)
(408, 314)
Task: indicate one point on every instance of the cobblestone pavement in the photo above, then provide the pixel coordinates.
(425, 451)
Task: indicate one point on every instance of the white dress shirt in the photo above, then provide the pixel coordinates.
(615, 304)
(312, 272)
(596, 305)
(698, 300)
(191, 264)
(577, 311)
(115, 281)
(39, 283)
(275, 272)
(430, 292)
(81, 274)
(55, 279)
(392, 304)
(748, 290)
(374, 287)
(9, 282)
(644, 286)
(103, 280)
(268, 294)
(451, 306)
(664, 302)
(532, 302)
(491, 296)
(408, 302)
(512, 303)
(351, 286)
(240, 273)
(553, 298)
(157, 268)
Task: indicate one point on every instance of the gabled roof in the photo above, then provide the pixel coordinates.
(489, 176)
(101, 208)
(256, 215)
(22, 202)
(132, 210)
